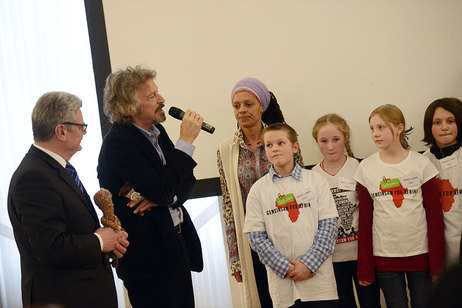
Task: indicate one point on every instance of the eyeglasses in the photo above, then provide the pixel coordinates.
(83, 125)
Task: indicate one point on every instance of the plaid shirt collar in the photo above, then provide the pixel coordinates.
(296, 173)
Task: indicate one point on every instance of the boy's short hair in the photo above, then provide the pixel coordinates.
(291, 133)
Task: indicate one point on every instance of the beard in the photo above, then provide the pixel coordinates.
(162, 116)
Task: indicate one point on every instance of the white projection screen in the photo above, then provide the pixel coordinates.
(317, 57)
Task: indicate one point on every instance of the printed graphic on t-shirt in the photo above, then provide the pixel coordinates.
(346, 231)
(288, 203)
(396, 190)
(447, 193)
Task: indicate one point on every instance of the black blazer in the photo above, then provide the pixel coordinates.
(53, 224)
(128, 156)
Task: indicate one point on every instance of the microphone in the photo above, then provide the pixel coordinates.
(178, 114)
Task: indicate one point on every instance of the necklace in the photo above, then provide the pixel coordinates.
(249, 144)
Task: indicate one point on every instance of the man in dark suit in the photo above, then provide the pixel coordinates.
(164, 245)
(54, 222)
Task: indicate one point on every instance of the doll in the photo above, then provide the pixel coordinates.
(103, 200)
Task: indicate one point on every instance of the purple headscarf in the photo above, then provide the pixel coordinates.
(254, 86)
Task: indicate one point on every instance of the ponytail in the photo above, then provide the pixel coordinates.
(273, 113)
(348, 148)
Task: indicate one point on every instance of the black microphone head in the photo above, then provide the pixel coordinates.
(177, 113)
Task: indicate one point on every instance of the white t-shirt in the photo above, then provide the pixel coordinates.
(399, 226)
(345, 192)
(293, 231)
(450, 187)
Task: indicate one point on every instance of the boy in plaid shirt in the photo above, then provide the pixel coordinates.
(291, 222)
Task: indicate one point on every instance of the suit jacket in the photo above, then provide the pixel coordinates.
(53, 224)
(128, 156)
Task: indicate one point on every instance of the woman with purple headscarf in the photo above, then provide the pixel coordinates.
(242, 160)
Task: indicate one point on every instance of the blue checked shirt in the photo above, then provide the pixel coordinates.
(323, 244)
(296, 173)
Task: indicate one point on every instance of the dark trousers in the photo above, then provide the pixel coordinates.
(171, 290)
(261, 278)
(393, 285)
(345, 275)
(316, 304)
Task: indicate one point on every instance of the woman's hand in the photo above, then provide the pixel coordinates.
(237, 276)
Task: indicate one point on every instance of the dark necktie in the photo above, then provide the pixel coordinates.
(74, 175)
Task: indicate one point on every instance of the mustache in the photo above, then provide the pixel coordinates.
(160, 107)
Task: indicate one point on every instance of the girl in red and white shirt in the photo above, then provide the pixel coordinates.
(400, 219)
